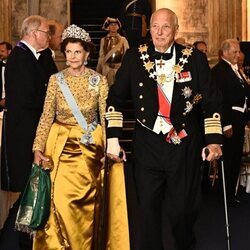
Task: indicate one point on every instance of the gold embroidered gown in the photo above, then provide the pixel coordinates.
(75, 176)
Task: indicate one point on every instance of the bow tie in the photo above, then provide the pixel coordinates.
(3, 63)
(165, 56)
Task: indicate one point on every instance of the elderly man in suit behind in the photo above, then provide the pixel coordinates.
(26, 83)
(176, 107)
(235, 92)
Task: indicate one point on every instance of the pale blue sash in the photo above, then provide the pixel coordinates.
(86, 137)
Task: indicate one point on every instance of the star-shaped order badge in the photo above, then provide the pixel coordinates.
(186, 92)
(177, 68)
(189, 107)
(187, 51)
(148, 65)
(143, 48)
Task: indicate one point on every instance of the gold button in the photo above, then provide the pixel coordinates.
(143, 120)
(140, 84)
(184, 113)
(140, 96)
(142, 109)
(183, 125)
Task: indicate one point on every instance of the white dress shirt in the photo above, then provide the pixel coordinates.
(160, 124)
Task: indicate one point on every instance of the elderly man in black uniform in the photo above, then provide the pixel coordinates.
(235, 92)
(26, 82)
(176, 107)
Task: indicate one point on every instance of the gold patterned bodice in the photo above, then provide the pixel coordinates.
(90, 91)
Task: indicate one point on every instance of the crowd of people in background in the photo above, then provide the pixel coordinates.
(73, 117)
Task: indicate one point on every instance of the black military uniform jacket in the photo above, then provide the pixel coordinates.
(194, 82)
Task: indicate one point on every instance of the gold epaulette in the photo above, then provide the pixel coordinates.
(213, 125)
(114, 118)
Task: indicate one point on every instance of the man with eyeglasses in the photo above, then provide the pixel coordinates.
(26, 81)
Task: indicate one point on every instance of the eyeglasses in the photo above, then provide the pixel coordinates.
(47, 32)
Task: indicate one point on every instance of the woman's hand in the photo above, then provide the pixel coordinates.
(39, 157)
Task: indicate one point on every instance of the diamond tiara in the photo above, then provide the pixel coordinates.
(73, 31)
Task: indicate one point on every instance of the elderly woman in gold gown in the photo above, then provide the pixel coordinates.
(76, 153)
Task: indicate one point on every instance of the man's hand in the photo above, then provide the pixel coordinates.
(214, 152)
(114, 151)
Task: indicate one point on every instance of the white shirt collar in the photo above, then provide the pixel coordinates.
(33, 50)
(233, 66)
(168, 50)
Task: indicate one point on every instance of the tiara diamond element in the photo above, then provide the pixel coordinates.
(73, 31)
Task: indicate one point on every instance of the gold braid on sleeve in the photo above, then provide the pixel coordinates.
(213, 125)
(114, 118)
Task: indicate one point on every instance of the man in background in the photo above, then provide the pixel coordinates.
(26, 81)
(5, 49)
(234, 91)
(6, 198)
(201, 46)
(50, 55)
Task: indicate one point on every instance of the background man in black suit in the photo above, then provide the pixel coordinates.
(234, 91)
(201, 45)
(5, 49)
(26, 82)
(174, 100)
(5, 200)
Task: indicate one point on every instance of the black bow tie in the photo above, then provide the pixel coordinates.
(164, 56)
(3, 64)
